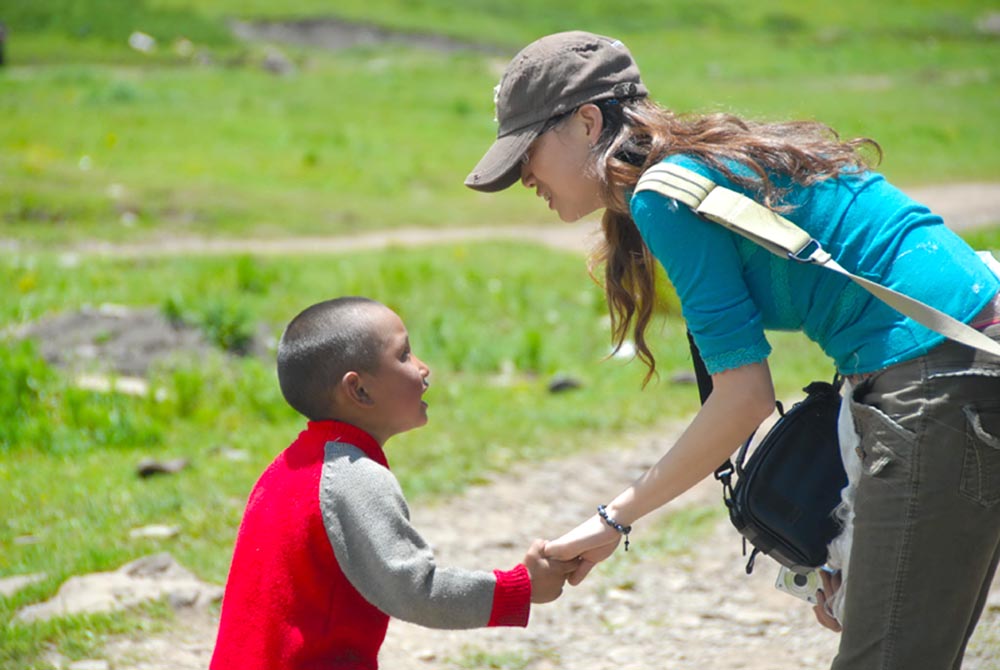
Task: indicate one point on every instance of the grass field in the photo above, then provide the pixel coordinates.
(518, 316)
(103, 142)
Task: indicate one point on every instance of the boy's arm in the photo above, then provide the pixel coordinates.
(391, 565)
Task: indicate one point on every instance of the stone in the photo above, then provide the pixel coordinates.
(155, 531)
(148, 578)
(562, 383)
(11, 585)
(148, 467)
(90, 664)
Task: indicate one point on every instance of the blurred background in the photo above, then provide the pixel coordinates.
(178, 178)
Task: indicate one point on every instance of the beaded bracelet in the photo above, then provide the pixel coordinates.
(624, 530)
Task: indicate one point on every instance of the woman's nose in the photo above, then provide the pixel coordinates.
(527, 179)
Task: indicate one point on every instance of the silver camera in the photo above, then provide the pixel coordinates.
(800, 585)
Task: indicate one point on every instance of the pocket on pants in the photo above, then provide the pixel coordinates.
(981, 463)
(886, 446)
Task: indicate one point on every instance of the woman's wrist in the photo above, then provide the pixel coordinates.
(617, 510)
(613, 523)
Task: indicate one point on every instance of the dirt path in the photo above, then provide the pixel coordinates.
(697, 610)
(963, 206)
(638, 610)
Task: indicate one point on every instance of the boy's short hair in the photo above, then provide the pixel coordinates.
(322, 344)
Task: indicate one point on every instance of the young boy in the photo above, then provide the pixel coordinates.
(326, 552)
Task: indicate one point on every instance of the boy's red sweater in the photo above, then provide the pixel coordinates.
(287, 603)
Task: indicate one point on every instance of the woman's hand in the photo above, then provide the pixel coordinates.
(590, 542)
(831, 583)
(547, 574)
(741, 399)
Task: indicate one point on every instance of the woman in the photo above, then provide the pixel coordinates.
(575, 125)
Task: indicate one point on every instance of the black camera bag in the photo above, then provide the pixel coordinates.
(785, 493)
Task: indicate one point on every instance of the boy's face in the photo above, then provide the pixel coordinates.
(398, 384)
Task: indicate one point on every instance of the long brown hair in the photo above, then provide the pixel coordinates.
(638, 133)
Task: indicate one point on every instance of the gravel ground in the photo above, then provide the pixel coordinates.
(638, 610)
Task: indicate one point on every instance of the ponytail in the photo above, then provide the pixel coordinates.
(629, 283)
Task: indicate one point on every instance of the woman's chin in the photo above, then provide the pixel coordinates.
(575, 215)
(569, 217)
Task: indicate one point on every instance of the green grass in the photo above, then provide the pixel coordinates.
(76, 637)
(517, 316)
(101, 141)
(984, 238)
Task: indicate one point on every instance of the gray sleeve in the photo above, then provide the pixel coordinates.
(382, 554)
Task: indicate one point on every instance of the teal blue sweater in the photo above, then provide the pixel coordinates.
(731, 289)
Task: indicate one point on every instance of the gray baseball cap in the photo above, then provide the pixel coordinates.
(551, 76)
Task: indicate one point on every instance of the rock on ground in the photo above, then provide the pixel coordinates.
(145, 579)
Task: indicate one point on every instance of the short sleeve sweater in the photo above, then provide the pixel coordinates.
(732, 290)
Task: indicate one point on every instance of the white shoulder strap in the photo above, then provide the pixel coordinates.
(782, 237)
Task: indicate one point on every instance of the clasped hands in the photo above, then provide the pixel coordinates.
(568, 559)
(575, 554)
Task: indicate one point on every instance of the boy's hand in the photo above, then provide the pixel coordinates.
(547, 574)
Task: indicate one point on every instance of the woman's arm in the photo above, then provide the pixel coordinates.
(742, 398)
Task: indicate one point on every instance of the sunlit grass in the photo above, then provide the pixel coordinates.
(382, 137)
(495, 322)
(102, 142)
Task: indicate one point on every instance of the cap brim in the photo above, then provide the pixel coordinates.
(500, 167)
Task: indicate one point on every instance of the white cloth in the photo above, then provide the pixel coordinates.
(840, 548)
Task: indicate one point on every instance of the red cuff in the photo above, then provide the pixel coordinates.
(511, 598)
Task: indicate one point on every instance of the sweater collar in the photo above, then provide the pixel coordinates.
(338, 431)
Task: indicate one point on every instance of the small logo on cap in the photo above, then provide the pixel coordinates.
(625, 89)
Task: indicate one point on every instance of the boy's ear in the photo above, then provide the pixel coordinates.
(355, 390)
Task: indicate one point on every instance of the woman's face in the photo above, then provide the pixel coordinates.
(559, 165)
